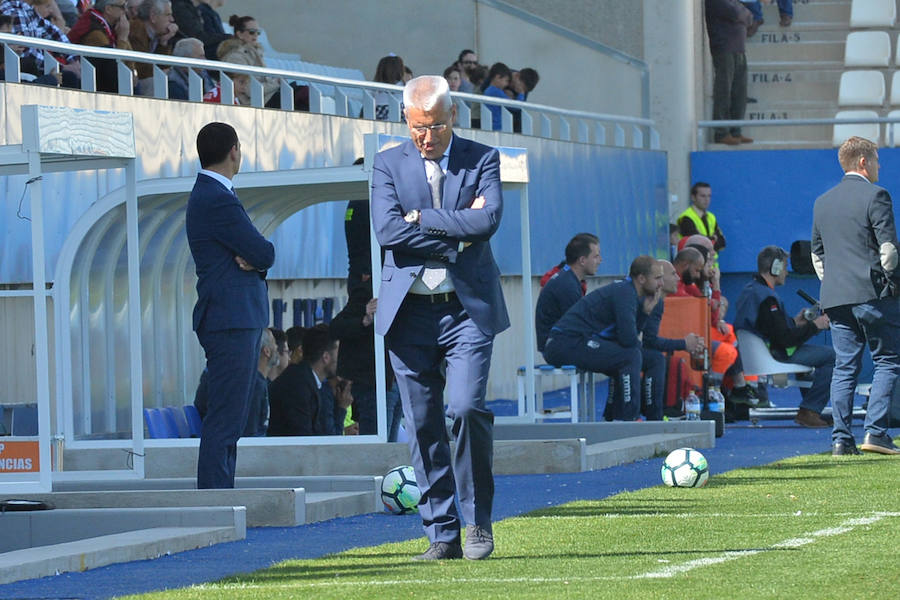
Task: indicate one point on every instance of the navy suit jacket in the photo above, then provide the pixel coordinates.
(399, 186)
(218, 229)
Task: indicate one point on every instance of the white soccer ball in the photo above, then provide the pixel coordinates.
(399, 491)
(685, 467)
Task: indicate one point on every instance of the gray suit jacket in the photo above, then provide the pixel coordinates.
(853, 233)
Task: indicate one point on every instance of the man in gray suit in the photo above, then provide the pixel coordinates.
(854, 251)
(436, 202)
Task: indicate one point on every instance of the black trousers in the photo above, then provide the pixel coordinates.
(729, 90)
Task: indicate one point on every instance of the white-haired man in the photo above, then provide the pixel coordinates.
(436, 202)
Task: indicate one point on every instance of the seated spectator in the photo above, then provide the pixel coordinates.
(525, 80)
(498, 80)
(454, 77)
(241, 84)
(407, 74)
(105, 26)
(191, 20)
(466, 62)
(295, 398)
(284, 354)
(477, 76)
(600, 333)
(212, 26)
(70, 10)
(761, 311)
(152, 31)
(390, 69)
(131, 8)
(179, 82)
(653, 346)
(567, 286)
(258, 413)
(27, 21)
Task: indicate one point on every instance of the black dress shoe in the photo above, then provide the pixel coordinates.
(880, 444)
(844, 449)
(441, 551)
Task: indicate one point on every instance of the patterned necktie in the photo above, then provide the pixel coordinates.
(435, 181)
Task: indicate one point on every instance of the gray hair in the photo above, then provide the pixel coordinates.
(185, 47)
(148, 7)
(427, 92)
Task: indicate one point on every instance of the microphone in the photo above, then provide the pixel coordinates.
(807, 297)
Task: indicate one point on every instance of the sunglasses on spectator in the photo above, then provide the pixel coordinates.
(251, 31)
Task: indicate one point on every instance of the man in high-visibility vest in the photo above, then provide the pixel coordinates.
(698, 219)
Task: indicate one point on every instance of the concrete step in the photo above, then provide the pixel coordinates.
(99, 551)
(321, 506)
(610, 454)
(790, 47)
(48, 527)
(806, 13)
(772, 86)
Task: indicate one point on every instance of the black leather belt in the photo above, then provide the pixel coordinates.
(442, 298)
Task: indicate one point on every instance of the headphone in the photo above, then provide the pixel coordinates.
(778, 264)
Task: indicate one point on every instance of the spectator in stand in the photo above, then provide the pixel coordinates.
(390, 69)
(27, 21)
(191, 20)
(698, 219)
(241, 85)
(466, 62)
(49, 10)
(212, 25)
(727, 22)
(105, 26)
(284, 354)
(528, 80)
(178, 76)
(296, 396)
(407, 74)
(454, 77)
(498, 80)
(244, 49)
(567, 286)
(477, 77)
(153, 31)
(6, 27)
(521, 84)
(258, 416)
(72, 9)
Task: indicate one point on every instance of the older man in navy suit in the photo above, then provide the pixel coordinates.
(232, 299)
(436, 202)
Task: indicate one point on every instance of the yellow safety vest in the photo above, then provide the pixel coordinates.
(691, 214)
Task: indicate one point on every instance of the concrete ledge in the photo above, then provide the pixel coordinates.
(105, 550)
(265, 507)
(596, 432)
(617, 452)
(321, 506)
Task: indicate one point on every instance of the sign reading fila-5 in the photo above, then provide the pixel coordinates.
(19, 457)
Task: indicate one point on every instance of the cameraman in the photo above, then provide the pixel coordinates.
(761, 311)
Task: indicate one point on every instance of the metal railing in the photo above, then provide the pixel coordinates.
(891, 133)
(337, 96)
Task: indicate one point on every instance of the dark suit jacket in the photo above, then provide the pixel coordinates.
(399, 186)
(218, 229)
(294, 402)
(850, 223)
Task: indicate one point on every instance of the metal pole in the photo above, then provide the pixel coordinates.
(134, 318)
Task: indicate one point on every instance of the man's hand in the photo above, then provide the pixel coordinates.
(714, 277)
(693, 343)
(722, 326)
(343, 394)
(243, 264)
(412, 216)
(371, 305)
(822, 322)
(171, 30)
(651, 301)
(122, 28)
(352, 429)
(478, 203)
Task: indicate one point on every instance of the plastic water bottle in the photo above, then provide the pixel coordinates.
(692, 407)
(717, 409)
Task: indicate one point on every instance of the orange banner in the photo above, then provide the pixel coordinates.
(19, 457)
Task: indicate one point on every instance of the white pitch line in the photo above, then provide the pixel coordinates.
(796, 542)
(670, 571)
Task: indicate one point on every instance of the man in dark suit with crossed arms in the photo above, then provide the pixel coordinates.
(436, 202)
(232, 299)
(854, 244)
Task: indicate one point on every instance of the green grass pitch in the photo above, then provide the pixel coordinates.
(810, 527)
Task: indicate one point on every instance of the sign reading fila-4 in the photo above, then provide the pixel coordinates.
(19, 457)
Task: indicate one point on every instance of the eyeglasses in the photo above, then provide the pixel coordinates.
(251, 31)
(423, 129)
(470, 62)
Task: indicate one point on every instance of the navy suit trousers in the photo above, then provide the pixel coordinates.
(422, 337)
(231, 359)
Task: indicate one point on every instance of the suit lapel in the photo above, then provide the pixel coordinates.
(456, 172)
(416, 167)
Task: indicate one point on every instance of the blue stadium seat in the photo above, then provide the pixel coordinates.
(157, 425)
(193, 419)
(177, 421)
(24, 420)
